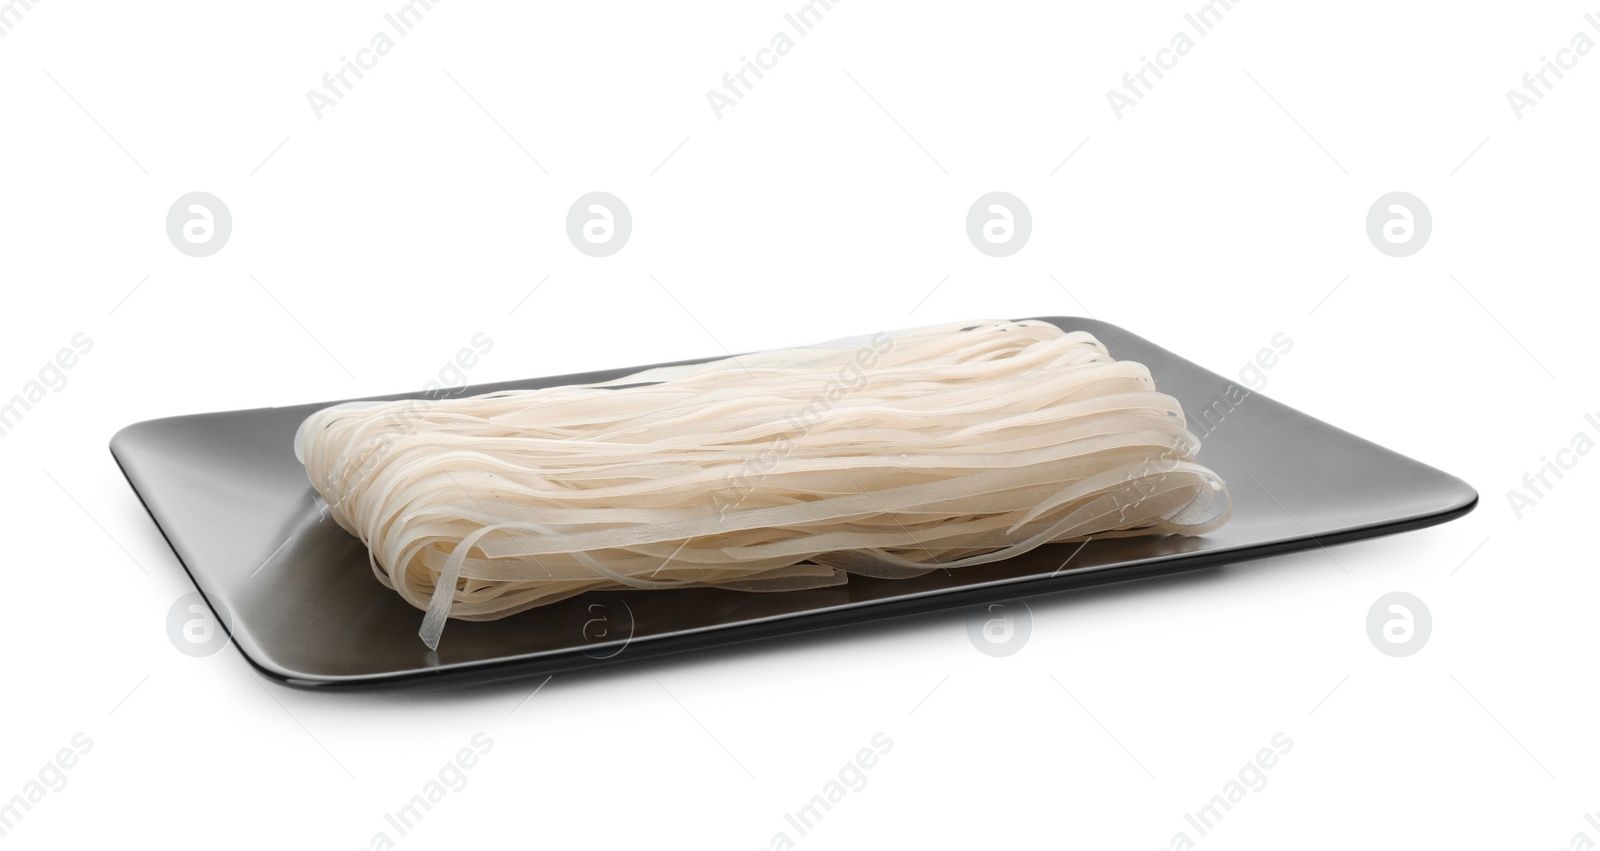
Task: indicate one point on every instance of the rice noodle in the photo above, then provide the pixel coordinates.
(885, 456)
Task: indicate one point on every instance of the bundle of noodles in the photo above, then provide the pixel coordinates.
(886, 456)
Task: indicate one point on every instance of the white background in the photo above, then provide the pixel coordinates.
(1227, 206)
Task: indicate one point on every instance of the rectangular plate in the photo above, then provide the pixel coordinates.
(300, 600)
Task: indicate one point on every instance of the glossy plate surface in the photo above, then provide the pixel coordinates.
(303, 606)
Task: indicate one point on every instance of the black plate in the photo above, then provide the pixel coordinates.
(303, 606)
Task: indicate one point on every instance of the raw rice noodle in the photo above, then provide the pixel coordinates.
(886, 456)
